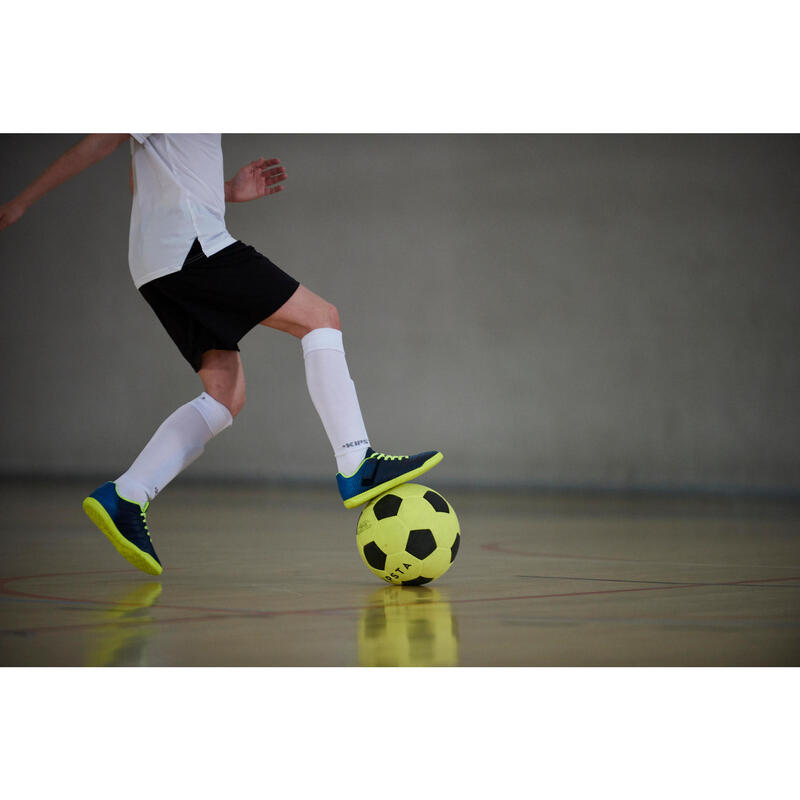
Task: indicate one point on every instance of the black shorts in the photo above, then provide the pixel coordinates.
(213, 301)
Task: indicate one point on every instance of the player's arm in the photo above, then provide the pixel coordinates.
(88, 151)
(257, 179)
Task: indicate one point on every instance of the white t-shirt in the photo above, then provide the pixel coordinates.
(178, 196)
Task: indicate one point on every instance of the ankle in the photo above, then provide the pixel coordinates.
(131, 491)
(349, 461)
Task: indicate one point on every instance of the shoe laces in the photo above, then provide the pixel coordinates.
(144, 523)
(385, 457)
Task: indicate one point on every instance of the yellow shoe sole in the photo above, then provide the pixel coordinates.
(132, 554)
(365, 497)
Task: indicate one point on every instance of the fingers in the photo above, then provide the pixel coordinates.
(9, 215)
(272, 177)
(268, 173)
(279, 172)
(264, 162)
(273, 180)
(272, 189)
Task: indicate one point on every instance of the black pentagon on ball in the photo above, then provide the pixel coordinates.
(420, 543)
(387, 506)
(454, 548)
(437, 501)
(376, 558)
(417, 582)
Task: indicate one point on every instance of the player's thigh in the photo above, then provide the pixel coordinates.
(222, 374)
(304, 311)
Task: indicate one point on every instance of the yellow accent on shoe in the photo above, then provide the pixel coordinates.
(374, 491)
(132, 554)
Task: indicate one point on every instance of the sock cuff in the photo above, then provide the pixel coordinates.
(215, 414)
(322, 339)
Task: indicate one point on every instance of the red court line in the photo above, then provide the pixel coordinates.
(225, 613)
(115, 623)
(56, 598)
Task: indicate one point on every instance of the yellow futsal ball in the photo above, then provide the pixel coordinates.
(409, 535)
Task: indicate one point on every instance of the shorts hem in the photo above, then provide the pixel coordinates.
(211, 303)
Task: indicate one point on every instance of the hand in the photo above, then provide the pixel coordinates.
(10, 212)
(89, 150)
(256, 179)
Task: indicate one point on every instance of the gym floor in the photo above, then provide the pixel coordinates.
(270, 576)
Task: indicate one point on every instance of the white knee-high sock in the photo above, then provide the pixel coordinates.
(179, 440)
(333, 394)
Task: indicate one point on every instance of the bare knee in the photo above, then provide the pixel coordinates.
(232, 398)
(322, 315)
(332, 317)
(303, 312)
(235, 403)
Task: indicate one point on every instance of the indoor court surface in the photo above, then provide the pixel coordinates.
(270, 576)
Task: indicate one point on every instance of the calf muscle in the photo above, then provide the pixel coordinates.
(222, 375)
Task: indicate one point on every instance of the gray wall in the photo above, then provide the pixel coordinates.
(547, 310)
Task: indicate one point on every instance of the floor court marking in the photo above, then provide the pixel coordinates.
(505, 550)
(226, 613)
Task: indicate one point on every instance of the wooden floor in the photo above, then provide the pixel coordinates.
(271, 576)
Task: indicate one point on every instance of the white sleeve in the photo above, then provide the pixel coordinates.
(140, 137)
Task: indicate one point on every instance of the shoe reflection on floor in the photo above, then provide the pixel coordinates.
(124, 644)
(407, 626)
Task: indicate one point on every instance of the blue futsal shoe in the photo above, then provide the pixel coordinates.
(124, 523)
(378, 473)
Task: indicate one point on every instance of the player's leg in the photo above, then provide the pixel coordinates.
(304, 312)
(118, 507)
(222, 375)
(363, 473)
(315, 322)
(182, 437)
